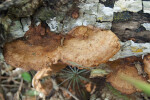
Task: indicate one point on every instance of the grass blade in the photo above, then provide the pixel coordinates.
(145, 87)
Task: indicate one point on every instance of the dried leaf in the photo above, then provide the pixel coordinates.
(42, 82)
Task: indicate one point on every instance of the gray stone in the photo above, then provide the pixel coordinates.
(89, 8)
(89, 19)
(16, 30)
(90, 11)
(54, 25)
(104, 13)
(91, 1)
(103, 0)
(146, 6)
(128, 5)
(104, 25)
(129, 48)
(85, 20)
(147, 26)
(26, 22)
(70, 24)
(99, 10)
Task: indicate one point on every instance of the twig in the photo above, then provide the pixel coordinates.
(19, 90)
(5, 85)
(60, 95)
(57, 87)
(63, 89)
(1, 94)
(62, 41)
(6, 81)
(15, 73)
(20, 87)
(0, 73)
(3, 77)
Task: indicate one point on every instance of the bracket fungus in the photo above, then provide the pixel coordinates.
(90, 46)
(85, 45)
(120, 84)
(39, 49)
(147, 65)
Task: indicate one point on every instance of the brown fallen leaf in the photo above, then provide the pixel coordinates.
(1, 97)
(42, 82)
(30, 98)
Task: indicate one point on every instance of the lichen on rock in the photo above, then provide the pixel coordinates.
(44, 13)
(13, 29)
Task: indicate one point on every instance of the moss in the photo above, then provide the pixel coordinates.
(44, 13)
(121, 16)
(24, 11)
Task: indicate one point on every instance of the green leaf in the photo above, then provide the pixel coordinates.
(98, 73)
(32, 93)
(145, 87)
(26, 76)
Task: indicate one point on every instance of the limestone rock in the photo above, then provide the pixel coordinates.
(146, 6)
(147, 26)
(128, 5)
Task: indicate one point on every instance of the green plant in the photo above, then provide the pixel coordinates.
(142, 85)
(26, 76)
(75, 79)
(73, 76)
(117, 93)
(32, 93)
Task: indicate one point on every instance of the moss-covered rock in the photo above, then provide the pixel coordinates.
(44, 13)
(25, 10)
(121, 16)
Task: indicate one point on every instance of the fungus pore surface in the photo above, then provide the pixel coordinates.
(147, 65)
